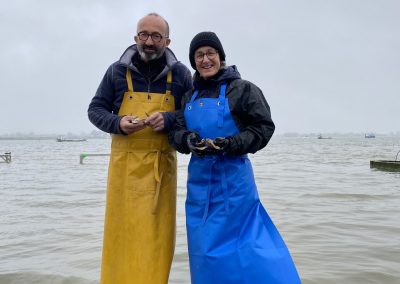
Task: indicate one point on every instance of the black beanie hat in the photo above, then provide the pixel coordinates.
(205, 39)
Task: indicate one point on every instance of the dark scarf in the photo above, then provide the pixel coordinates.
(226, 75)
(150, 69)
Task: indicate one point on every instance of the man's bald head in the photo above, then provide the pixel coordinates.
(154, 18)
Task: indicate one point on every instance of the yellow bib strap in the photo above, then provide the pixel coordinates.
(129, 80)
(158, 178)
(169, 82)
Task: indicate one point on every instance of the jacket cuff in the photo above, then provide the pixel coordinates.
(168, 117)
(119, 127)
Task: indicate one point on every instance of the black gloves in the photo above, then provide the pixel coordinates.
(222, 143)
(203, 147)
(195, 143)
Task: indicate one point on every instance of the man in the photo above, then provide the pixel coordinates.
(135, 102)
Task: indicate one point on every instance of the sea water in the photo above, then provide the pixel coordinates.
(338, 217)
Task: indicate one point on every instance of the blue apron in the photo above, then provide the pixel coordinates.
(231, 238)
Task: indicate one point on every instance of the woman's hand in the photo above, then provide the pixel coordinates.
(205, 147)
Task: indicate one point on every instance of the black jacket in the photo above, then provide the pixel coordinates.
(248, 107)
(104, 107)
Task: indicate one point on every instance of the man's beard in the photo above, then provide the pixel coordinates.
(146, 57)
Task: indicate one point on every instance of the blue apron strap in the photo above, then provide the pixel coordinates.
(221, 106)
(208, 200)
(194, 96)
(225, 190)
(224, 186)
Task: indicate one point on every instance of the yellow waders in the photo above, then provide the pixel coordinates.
(139, 230)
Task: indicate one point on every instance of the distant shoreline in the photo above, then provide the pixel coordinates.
(44, 138)
(284, 135)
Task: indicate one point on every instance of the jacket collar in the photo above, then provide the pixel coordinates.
(225, 75)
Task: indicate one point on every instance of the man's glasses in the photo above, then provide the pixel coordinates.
(156, 37)
(211, 54)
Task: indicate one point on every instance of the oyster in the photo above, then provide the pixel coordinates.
(202, 145)
(136, 120)
(211, 144)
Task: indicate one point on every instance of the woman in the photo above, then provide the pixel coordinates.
(231, 238)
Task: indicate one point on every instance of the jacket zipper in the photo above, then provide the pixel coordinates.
(148, 89)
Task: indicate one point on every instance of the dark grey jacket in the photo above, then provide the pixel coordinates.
(104, 107)
(248, 107)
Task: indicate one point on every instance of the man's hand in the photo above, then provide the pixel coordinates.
(155, 121)
(130, 124)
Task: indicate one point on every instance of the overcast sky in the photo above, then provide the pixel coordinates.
(323, 65)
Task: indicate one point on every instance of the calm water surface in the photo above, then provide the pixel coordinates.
(339, 218)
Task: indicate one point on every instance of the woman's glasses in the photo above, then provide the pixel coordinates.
(211, 54)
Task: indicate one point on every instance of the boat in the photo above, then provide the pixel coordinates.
(369, 135)
(62, 139)
(322, 137)
(386, 165)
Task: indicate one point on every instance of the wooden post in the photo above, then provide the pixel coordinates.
(84, 155)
